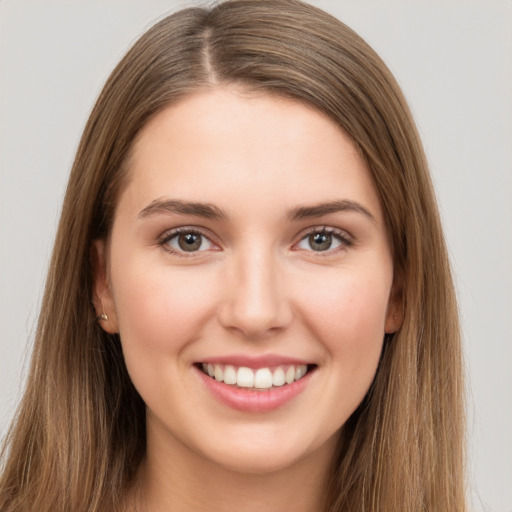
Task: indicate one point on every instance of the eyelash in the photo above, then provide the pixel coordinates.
(164, 240)
(341, 236)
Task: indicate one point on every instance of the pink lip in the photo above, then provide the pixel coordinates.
(265, 361)
(250, 400)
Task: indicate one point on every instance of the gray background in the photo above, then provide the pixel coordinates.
(454, 62)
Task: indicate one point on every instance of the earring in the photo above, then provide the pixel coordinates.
(103, 316)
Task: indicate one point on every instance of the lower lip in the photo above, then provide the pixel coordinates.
(251, 400)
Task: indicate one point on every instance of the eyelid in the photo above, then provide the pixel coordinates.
(345, 238)
(342, 235)
(169, 234)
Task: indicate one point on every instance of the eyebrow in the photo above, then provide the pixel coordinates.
(319, 210)
(210, 211)
(205, 210)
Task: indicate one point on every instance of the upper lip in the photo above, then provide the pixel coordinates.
(254, 362)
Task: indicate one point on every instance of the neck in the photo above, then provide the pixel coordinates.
(175, 478)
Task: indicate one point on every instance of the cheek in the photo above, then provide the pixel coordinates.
(348, 314)
(348, 318)
(159, 310)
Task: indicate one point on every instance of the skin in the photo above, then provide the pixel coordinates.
(256, 286)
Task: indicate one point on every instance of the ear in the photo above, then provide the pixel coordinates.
(395, 310)
(102, 294)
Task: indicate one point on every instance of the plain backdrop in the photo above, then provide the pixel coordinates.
(454, 62)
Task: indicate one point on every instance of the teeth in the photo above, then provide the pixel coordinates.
(229, 375)
(300, 371)
(245, 377)
(262, 378)
(219, 373)
(278, 377)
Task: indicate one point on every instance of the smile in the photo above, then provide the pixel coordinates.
(255, 385)
(263, 379)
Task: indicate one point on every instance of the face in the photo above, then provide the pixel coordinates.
(250, 278)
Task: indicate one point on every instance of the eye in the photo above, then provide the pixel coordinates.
(182, 241)
(323, 240)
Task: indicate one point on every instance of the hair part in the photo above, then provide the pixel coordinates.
(79, 434)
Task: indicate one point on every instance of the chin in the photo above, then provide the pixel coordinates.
(257, 462)
(263, 454)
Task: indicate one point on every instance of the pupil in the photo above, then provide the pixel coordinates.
(320, 241)
(189, 242)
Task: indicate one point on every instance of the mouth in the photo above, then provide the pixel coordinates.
(256, 379)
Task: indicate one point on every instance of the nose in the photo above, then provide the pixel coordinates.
(255, 301)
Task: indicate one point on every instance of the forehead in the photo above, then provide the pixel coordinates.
(225, 144)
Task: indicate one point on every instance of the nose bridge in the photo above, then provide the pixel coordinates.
(256, 301)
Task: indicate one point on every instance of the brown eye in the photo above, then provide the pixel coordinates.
(323, 241)
(320, 241)
(188, 241)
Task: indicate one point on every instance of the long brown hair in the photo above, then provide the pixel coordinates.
(79, 435)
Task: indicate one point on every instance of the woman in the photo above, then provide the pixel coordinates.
(249, 302)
